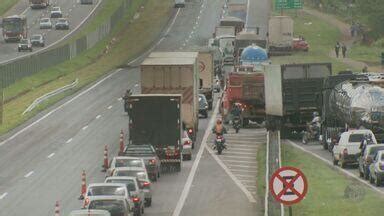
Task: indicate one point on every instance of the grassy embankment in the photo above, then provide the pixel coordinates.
(6, 5)
(130, 39)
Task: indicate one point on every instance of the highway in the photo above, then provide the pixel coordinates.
(258, 15)
(71, 9)
(41, 161)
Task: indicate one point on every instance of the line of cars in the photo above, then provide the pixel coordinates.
(360, 147)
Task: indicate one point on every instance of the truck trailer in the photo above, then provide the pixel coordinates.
(280, 35)
(38, 3)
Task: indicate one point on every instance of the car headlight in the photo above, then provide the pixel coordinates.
(206, 107)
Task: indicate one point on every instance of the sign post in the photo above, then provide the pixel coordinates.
(288, 185)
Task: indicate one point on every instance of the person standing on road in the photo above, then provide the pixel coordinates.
(344, 50)
(337, 49)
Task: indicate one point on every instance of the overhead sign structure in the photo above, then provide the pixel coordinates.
(288, 185)
(288, 4)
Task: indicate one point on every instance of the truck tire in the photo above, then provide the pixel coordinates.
(335, 162)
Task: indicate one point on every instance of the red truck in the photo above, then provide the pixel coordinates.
(245, 86)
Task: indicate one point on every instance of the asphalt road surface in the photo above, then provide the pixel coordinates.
(71, 9)
(41, 161)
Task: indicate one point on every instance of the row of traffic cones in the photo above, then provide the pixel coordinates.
(105, 166)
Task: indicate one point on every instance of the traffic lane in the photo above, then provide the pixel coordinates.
(59, 177)
(72, 10)
(318, 150)
(258, 15)
(30, 148)
(213, 192)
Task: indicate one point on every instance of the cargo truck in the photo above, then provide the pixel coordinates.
(237, 8)
(245, 39)
(155, 119)
(38, 3)
(174, 76)
(233, 21)
(351, 101)
(224, 30)
(280, 35)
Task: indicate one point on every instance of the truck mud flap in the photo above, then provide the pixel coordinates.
(170, 165)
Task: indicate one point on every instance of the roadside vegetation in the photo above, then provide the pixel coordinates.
(6, 5)
(261, 157)
(330, 192)
(129, 39)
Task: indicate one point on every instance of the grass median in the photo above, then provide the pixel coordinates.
(126, 42)
(321, 37)
(6, 5)
(330, 192)
(261, 160)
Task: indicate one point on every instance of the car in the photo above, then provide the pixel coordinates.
(347, 149)
(105, 189)
(45, 23)
(376, 169)
(86, 1)
(89, 212)
(179, 3)
(203, 106)
(366, 158)
(216, 87)
(25, 44)
(142, 175)
(148, 154)
(299, 44)
(38, 40)
(56, 12)
(115, 205)
(124, 161)
(135, 191)
(62, 23)
(187, 146)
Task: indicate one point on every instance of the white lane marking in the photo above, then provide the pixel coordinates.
(242, 149)
(197, 23)
(246, 180)
(188, 183)
(51, 155)
(241, 145)
(119, 99)
(173, 22)
(239, 161)
(3, 195)
(28, 174)
(266, 178)
(98, 116)
(336, 167)
(245, 157)
(85, 127)
(239, 165)
(70, 9)
(110, 107)
(243, 170)
(198, 17)
(68, 141)
(59, 107)
(241, 153)
(201, 11)
(251, 186)
(25, 11)
(245, 175)
(232, 176)
(194, 27)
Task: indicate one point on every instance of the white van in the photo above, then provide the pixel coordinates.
(348, 148)
(179, 3)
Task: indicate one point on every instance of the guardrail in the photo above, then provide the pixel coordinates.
(14, 70)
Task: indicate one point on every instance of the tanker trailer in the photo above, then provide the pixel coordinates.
(351, 101)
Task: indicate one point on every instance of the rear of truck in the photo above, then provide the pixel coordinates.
(174, 76)
(206, 71)
(280, 35)
(156, 119)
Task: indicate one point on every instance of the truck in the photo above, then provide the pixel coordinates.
(351, 101)
(280, 35)
(34, 4)
(164, 75)
(224, 30)
(300, 86)
(245, 39)
(156, 119)
(205, 63)
(237, 8)
(14, 28)
(233, 21)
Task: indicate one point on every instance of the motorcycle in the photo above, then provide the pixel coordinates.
(219, 144)
(236, 122)
(311, 135)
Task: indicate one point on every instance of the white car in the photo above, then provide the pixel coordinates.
(135, 192)
(124, 161)
(45, 23)
(89, 212)
(187, 146)
(348, 149)
(142, 175)
(106, 189)
(56, 12)
(116, 205)
(179, 3)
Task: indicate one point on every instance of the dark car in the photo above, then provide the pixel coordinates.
(62, 23)
(38, 40)
(86, 1)
(203, 106)
(25, 44)
(366, 158)
(148, 154)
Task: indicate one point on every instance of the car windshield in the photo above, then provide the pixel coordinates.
(106, 191)
(36, 37)
(55, 9)
(139, 174)
(374, 149)
(24, 41)
(62, 21)
(356, 137)
(129, 182)
(128, 163)
(115, 207)
(44, 20)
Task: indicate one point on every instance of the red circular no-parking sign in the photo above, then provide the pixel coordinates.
(288, 185)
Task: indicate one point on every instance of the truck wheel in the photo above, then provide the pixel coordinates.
(335, 162)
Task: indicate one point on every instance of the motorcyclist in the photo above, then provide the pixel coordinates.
(125, 98)
(315, 123)
(236, 110)
(219, 130)
(367, 140)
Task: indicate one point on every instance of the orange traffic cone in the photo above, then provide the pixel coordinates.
(105, 164)
(83, 185)
(121, 142)
(57, 209)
